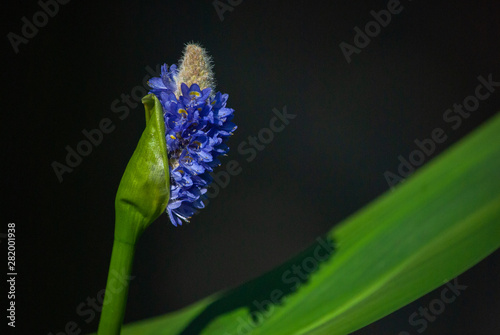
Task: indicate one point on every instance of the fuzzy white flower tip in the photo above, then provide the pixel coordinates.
(195, 67)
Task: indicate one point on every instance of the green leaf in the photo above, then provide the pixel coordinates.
(144, 190)
(439, 223)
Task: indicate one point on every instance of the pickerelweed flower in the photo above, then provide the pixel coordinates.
(197, 125)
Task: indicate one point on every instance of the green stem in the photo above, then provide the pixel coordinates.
(115, 299)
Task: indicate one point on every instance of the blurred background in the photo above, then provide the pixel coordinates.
(353, 120)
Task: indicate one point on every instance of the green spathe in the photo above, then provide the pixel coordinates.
(142, 196)
(144, 190)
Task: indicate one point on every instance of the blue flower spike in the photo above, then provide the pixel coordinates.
(187, 126)
(197, 125)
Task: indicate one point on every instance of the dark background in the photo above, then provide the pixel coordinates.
(353, 120)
